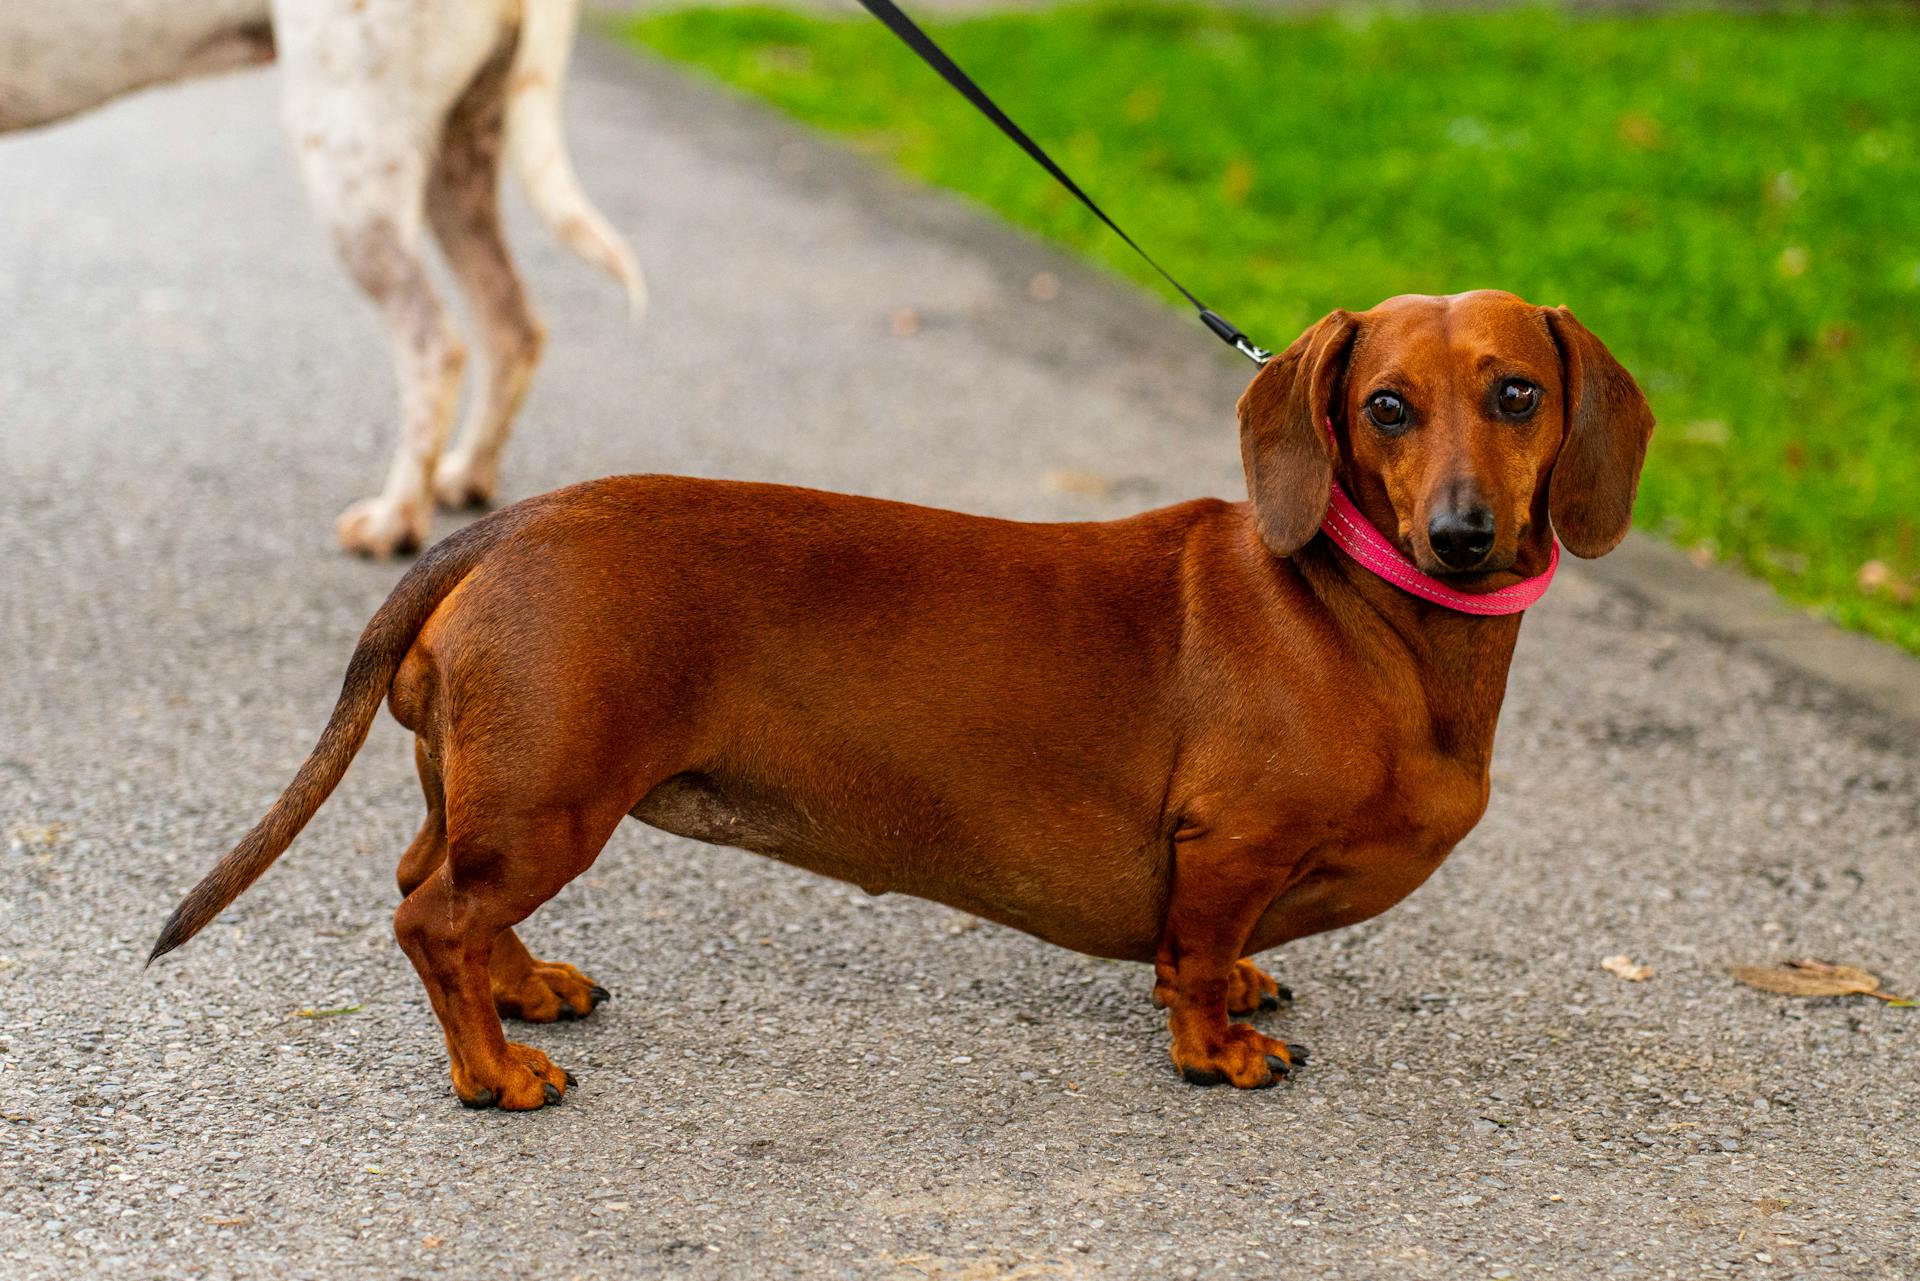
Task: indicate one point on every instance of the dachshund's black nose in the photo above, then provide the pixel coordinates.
(1461, 539)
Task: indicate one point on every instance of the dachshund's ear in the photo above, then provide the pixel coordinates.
(1283, 433)
(1590, 496)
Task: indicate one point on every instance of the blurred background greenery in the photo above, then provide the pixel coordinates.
(1732, 201)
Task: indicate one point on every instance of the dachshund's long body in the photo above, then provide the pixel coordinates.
(1180, 738)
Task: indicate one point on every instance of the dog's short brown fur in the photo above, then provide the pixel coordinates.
(1181, 738)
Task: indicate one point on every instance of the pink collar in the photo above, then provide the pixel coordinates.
(1354, 534)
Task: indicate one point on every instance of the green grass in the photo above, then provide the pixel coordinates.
(1731, 202)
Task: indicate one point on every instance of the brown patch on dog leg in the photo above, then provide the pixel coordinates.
(245, 44)
(463, 207)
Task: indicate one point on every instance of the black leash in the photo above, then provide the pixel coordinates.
(934, 56)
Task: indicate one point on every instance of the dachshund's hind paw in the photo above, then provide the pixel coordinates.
(1237, 1056)
(529, 1080)
(546, 992)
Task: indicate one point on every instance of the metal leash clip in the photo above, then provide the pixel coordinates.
(1230, 334)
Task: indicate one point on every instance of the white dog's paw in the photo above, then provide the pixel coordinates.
(461, 481)
(378, 528)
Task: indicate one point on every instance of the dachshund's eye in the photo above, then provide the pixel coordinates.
(1387, 411)
(1517, 397)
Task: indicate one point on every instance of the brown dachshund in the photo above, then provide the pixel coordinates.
(1180, 738)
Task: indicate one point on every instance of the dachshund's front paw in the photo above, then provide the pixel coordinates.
(1236, 1055)
(379, 528)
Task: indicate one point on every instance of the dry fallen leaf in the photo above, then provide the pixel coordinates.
(1625, 967)
(1068, 481)
(44, 835)
(1814, 978)
(1876, 578)
(335, 1012)
(1641, 131)
(1873, 576)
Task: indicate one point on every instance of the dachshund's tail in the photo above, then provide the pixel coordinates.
(383, 645)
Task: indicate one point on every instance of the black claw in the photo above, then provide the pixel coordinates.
(1279, 1066)
(1201, 1077)
(484, 1099)
(1298, 1053)
(1285, 993)
(553, 1094)
(567, 1013)
(1268, 1001)
(600, 993)
(570, 1081)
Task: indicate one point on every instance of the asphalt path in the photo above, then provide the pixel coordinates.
(795, 1079)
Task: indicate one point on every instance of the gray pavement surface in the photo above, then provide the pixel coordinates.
(795, 1079)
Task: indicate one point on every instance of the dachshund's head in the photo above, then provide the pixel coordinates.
(1461, 426)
